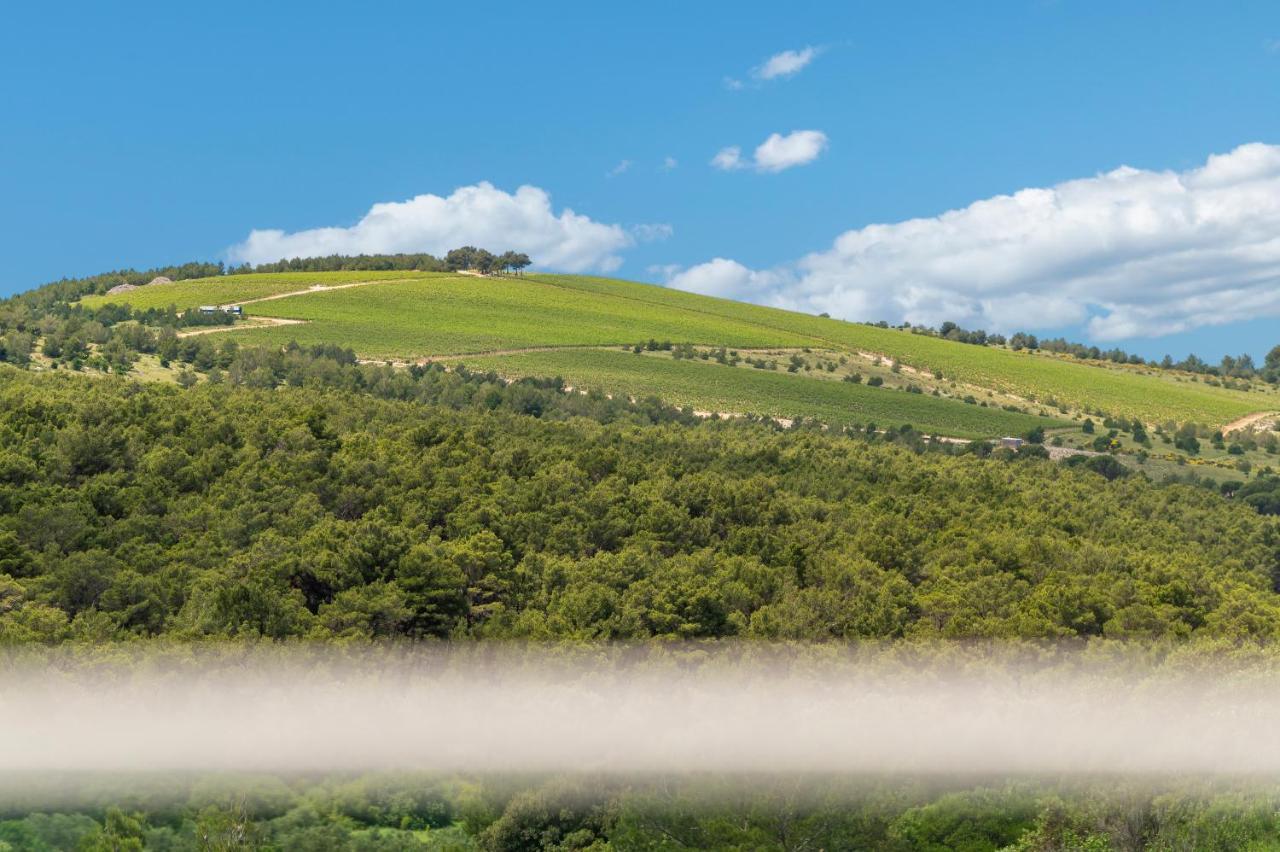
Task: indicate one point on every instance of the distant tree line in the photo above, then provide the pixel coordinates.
(466, 257)
(66, 290)
(1232, 367)
(339, 262)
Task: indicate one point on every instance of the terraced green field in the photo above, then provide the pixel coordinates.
(414, 315)
(1115, 390)
(711, 387)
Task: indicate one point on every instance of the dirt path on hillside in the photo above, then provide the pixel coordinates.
(263, 322)
(256, 322)
(460, 356)
(1249, 421)
(319, 288)
(1060, 453)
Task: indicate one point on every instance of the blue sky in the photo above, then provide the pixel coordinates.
(164, 132)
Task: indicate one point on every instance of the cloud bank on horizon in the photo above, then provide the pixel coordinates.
(480, 214)
(1128, 253)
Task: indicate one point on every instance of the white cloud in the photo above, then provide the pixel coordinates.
(652, 233)
(785, 64)
(728, 159)
(733, 84)
(669, 163)
(727, 278)
(1133, 253)
(780, 152)
(776, 153)
(619, 169)
(479, 215)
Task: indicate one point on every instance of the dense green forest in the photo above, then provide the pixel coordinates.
(395, 813)
(361, 501)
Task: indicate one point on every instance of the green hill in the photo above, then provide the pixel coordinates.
(577, 327)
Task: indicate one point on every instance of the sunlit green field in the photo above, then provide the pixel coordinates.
(407, 316)
(1115, 390)
(242, 288)
(459, 315)
(712, 387)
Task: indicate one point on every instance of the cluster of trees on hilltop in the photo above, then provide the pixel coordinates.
(360, 501)
(480, 260)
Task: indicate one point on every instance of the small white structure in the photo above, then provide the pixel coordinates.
(1012, 443)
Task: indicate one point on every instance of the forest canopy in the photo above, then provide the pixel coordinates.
(361, 501)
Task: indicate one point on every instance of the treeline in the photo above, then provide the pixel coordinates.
(1231, 367)
(65, 290)
(465, 257)
(355, 500)
(401, 812)
(340, 262)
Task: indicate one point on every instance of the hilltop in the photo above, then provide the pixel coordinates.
(788, 365)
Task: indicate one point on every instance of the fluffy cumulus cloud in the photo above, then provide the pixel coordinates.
(1130, 253)
(723, 277)
(776, 153)
(785, 64)
(797, 148)
(479, 215)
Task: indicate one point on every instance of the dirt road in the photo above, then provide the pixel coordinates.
(1249, 421)
(255, 322)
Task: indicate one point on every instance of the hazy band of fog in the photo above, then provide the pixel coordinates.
(498, 714)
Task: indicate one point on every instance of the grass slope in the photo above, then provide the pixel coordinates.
(461, 315)
(407, 316)
(708, 386)
(1116, 390)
